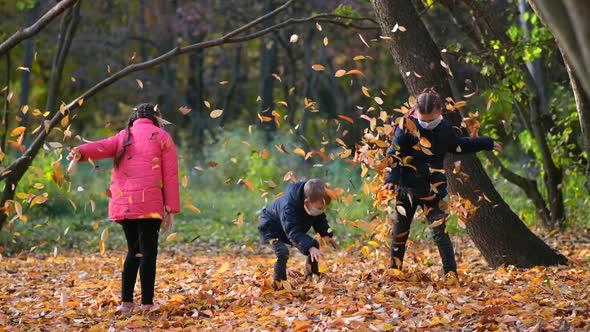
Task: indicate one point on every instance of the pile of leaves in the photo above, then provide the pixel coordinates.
(206, 288)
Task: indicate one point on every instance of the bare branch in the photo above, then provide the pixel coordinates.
(31, 151)
(28, 32)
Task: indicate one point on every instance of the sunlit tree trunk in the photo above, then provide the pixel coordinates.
(498, 233)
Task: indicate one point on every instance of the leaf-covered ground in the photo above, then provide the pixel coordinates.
(203, 288)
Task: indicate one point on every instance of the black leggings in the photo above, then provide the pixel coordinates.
(401, 231)
(142, 249)
(282, 252)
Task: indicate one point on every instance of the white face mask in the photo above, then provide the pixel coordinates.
(313, 211)
(430, 125)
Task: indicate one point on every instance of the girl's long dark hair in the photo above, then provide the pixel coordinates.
(147, 111)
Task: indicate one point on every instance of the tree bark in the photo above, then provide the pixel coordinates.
(497, 232)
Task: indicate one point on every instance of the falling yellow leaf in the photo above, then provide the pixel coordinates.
(299, 151)
(172, 237)
(240, 220)
(363, 40)
(185, 110)
(365, 91)
(318, 67)
(18, 130)
(104, 235)
(340, 73)
(192, 208)
(140, 83)
(216, 113)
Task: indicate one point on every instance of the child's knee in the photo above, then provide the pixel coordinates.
(282, 252)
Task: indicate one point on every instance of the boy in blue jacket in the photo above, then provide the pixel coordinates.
(286, 222)
(417, 174)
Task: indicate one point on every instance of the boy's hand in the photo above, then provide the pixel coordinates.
(498, 147)
(315, 254)
(331, 241)
(389, 186)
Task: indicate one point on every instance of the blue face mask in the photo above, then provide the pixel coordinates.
(430, 125)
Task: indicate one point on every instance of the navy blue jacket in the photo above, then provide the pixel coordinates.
(444, 138)
(285, 219)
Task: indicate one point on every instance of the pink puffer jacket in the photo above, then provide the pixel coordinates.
(146, 181)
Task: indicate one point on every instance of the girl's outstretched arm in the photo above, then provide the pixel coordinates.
(105, 148)
(463, 144)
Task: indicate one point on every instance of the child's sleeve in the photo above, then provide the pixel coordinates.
(399, 141)
(462, 144)
(105, 148)
(170, 176)
(293, 229)
(321, 226)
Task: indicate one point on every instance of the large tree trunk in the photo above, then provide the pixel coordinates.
(497, 232)
(488, 17)
(583, 108)
(568, 21)
(582, 97)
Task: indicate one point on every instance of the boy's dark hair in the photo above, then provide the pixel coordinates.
(147, 111)
(427, 102)
(315, 191)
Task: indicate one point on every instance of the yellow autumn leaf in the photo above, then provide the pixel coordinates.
(172, 237)
(223, 267)
(299, 151)
(215, 113)
(318, 67)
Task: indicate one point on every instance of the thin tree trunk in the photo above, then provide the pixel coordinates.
(229, 94)
(268, 66)
(68, 28)
(497, 232)
(309, 83)
(6, 106)
(195, 95)
(26, 74)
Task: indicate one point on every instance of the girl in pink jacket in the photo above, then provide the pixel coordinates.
(143, 193)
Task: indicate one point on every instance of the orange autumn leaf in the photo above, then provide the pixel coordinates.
(318, 67)
(346, 118)
(247, 183)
